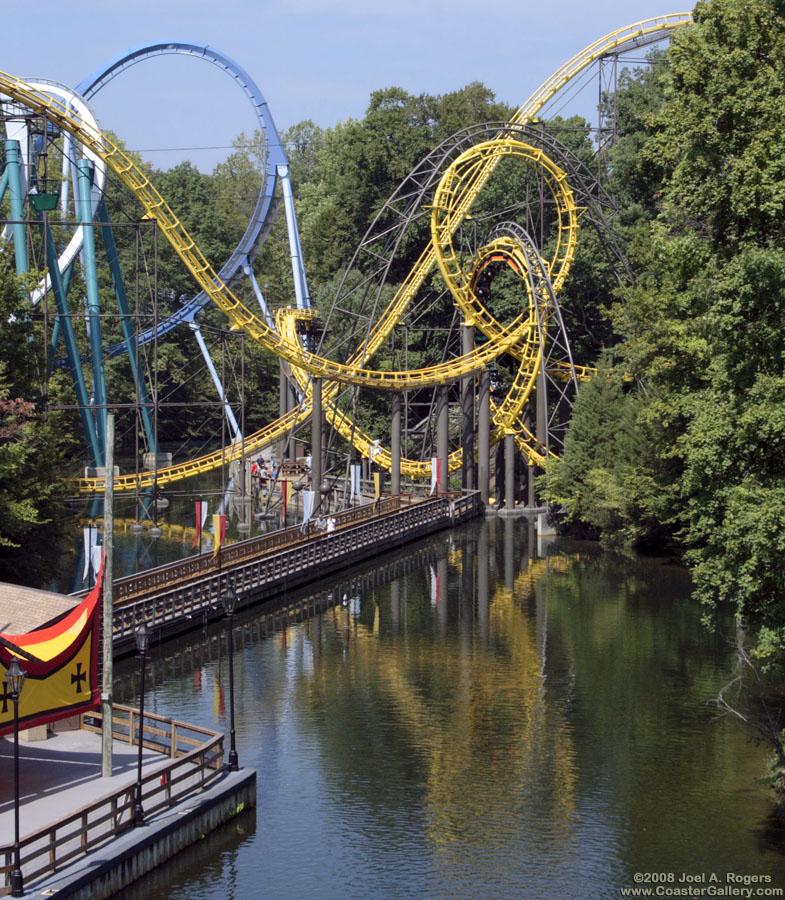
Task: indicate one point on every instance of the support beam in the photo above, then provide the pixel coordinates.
(316, 442)
(295, 251)
(467, 410)
(395, 446)
(126, 323)
(484, 435)
(530, 498)
(283, 405)
(17, 205)
(85, 170)
(509, 471)
(194, 326)
(541, 419)
(107, 620)
(443, 434)
(71, 349)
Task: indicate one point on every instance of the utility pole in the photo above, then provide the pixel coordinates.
(108, 667)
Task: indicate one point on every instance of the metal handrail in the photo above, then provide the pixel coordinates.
(195, 567)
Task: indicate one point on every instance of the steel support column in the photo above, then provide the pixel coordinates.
(84, 168)
(509, 471)
(316, 442)
(283, 405)
(71, 349)
(17, 205)
(541, 420)
(126, 323)
(395, 446)
(484, 435)
(467, 410)
(442, 434)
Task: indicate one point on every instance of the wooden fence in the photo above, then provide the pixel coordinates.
(192, 757)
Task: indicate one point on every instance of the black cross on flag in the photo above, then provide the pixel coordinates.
(78, 678)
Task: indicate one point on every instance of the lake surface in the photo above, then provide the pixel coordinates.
(482, 718)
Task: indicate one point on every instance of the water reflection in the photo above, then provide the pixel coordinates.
(472, 719)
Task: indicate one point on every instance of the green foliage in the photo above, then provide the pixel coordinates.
(606, 475)
(31, 445)
(701, 177)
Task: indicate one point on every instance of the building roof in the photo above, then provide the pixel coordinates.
(23, 609)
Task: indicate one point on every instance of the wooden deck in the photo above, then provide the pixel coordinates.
(187, 594)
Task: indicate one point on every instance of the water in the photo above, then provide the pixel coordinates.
(492, 724)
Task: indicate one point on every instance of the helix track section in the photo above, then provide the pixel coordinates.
(456, 195)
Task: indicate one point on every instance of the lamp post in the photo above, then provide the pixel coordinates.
(142, 643)
(15, 677)
(229, 600)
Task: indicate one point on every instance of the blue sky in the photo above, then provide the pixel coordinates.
(312, 59)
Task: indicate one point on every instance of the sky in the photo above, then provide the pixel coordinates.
(311, 59)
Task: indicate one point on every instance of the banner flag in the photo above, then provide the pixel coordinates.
(90, 533)
(307, 505)
(63, 678)
(219, 531)
(96, 559)
(434, 473)
(377, 484)
(199, 518)
(356, 489)
(284, 496)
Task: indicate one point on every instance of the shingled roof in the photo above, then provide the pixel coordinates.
(23, 609)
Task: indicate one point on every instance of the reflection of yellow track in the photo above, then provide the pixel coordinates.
(443, 700)
(459, 188)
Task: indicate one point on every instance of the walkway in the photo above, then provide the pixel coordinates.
(60, 775)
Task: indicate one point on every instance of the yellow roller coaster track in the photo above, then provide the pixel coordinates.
(455, 200)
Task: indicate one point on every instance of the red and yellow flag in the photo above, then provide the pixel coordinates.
(64, 678)
(200, 516)
(219, 532)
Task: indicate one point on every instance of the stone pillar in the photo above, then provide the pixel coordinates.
(467, 410)
(484, 435)
(442, 434)
(395, 446)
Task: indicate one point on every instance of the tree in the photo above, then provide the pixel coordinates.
(31, 448)
(702, 328)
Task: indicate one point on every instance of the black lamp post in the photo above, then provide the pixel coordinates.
(229, 599)
(15, 677)
(142, 643)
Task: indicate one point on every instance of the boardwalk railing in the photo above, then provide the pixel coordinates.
(192, 757)
(361, 533)
(196, 567)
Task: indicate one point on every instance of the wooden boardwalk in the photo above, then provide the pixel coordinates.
(187, 594)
